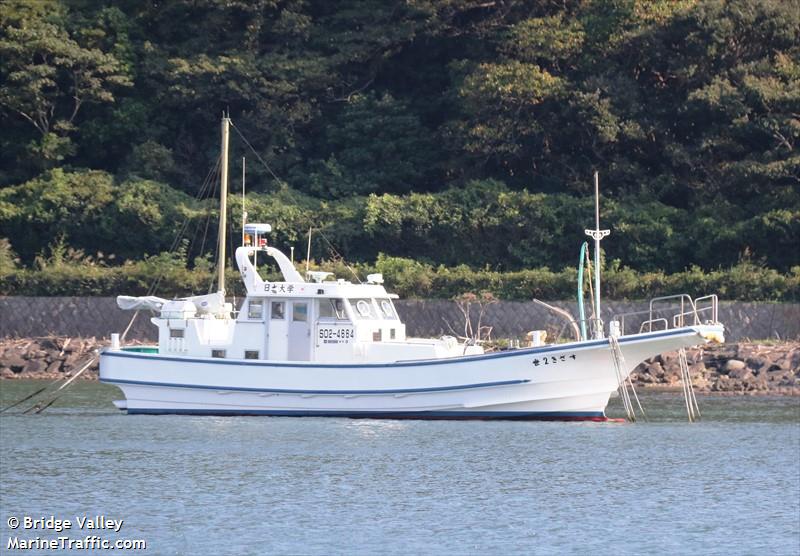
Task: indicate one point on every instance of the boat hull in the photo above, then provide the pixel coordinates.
(560, 382)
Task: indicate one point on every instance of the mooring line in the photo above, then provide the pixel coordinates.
(26, 398)
(41, 406)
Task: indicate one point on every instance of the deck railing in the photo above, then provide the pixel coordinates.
(671, 311)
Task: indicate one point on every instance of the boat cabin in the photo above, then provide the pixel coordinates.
(316, 318)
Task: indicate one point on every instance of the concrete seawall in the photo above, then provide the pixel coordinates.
(27, 317)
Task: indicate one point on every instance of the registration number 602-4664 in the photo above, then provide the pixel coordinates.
(342, 334)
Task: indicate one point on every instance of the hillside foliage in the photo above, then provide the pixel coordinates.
(462, 134)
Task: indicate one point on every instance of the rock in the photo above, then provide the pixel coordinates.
(697, 368)
(694, 356)
(719, 385)
(49, 344)
(761, 381)
(756, 362)
(733, 365)
(73, 358)
(655, 370)
(784, 363)
(700, 382)
(34, 366)
(52, 355)
(15, 363)
(54, 367)
(741, 374)
(779, 375)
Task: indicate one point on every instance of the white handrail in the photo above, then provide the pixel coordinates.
(688, 312)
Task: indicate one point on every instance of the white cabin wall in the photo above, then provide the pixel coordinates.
(250, 336)
(211, 331)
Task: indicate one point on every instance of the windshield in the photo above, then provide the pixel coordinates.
(332, 309)
(363, 309)
(373, 309)
(387, 309)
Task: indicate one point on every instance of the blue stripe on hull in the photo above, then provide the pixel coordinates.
(455, 387)
(503, 415)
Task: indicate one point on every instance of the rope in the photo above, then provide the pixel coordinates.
(211, 182)
(41, 406)
(127, 328)
(618, 360)
(337, 254)
(179, 235)
(176, 240)
(258, 156)
(692, 409)
(313, 224)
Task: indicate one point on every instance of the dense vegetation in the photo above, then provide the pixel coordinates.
(462, 133)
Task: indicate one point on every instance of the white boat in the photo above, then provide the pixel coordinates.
(315, 345)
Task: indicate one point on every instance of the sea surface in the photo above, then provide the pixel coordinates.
(729, 484)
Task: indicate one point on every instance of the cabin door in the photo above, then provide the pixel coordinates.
(278, 332)
(299, 332)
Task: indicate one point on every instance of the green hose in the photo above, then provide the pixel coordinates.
(581, 314)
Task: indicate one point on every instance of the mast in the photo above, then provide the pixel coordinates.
(597, 234)
(223, 204)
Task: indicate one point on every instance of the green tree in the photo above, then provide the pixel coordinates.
(47, 76)
(375, 144)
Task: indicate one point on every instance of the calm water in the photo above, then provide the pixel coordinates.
(261, 485)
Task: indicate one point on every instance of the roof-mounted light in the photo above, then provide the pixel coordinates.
(257, 229)
(254, 235)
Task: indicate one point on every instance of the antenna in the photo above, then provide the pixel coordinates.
(308, 253)
(597, 234)
(244, 212)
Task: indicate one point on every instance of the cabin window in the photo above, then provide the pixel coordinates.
(387, 309)
(326, 309)
(255, 309)
(251, 354)
(392, 334)
(364, 309)
(332, 309)
(176, 332)
(377, 336)
(219, 353)
(299, 312)
(277, 310)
